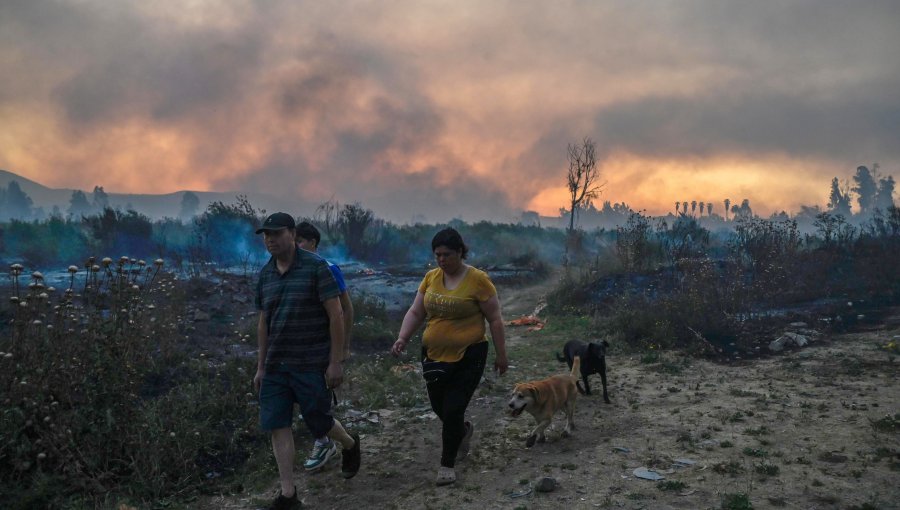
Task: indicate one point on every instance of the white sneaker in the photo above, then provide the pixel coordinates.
(320, 455)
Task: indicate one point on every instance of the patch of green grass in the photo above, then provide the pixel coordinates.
(650, 357)
(728, 468)
(671, 485)
(766, 469)
(739, 501)
(887, 424)
(726, 444)
(736, 417)
(761, 431)
(671, 368)
(575, 326)
(377, 384)
(755, 452)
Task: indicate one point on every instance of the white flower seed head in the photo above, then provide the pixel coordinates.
(73, 269)
(106, 261)
(37, 275)
(158, 262)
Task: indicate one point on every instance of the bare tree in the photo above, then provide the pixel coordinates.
(327, 216)
(582, 177)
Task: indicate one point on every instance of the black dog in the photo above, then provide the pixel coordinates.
(593, 361)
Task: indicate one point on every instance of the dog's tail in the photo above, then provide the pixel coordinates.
(560, 358)
(576, 367)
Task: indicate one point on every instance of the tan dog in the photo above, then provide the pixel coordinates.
(544, 398)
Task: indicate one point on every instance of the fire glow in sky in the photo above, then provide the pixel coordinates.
(451, 109)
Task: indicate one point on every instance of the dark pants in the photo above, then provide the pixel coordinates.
(450, 397)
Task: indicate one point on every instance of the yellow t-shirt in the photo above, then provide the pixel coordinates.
(453, 317)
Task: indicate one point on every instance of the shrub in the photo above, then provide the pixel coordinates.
(97, 399)
(739, 501)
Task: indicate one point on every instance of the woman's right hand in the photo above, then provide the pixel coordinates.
(399, 346)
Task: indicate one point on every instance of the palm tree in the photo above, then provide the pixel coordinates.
(727, 207)
(677, 204)
(684, 207)
(693, 206)
(702, 206)
(709, 208)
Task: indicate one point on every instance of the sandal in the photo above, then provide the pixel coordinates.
(445, 476)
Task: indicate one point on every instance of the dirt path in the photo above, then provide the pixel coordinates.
(803, 430)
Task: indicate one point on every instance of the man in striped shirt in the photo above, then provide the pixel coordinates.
(301, 338)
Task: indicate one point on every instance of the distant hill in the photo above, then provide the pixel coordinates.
(154, 206)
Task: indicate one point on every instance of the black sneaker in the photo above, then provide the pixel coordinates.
(284, 503)
(350, 459)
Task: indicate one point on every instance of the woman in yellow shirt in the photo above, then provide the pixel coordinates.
(454, 300)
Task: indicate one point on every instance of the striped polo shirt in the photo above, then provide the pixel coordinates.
(297, 322)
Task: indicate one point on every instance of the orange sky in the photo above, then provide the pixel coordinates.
(450, 109)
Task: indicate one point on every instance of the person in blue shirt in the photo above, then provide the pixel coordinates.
(308, 238)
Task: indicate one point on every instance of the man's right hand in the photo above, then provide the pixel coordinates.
(257, 379)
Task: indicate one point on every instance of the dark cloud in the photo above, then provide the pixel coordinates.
(757, 122)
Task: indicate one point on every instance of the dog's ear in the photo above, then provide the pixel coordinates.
(598, 350)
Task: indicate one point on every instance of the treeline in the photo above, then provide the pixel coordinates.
(224, 236)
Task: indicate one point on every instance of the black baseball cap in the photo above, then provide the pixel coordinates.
(277, 221)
